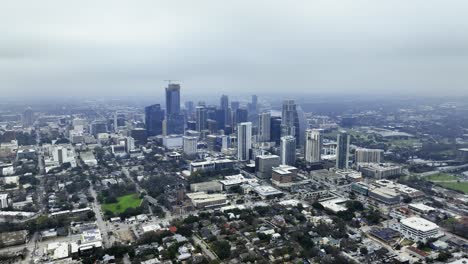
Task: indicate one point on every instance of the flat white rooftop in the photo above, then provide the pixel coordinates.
(419, 224)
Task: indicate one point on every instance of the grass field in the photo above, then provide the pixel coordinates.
(459, 186)
(124, 202)
(441, 177)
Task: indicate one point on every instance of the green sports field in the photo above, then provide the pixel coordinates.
(459, 186)
(124, 202)
(441, 177)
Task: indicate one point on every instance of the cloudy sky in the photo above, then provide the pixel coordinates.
(98, 47)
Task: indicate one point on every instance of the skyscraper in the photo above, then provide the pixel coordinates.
(190, 145)
(275, 129)
(241, 115)
(313, 145)
(342, 150)
(244, 141)
(174, 119)
(254, 103)
(288, 150)
(173, 98)
(154, 117)
(234, 106)
(28, 117)
(201, 118)
(290, 120)
(224, 105)
(264, 123)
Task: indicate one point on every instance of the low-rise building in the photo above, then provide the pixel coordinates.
(203, 200)
(210, 186)
(385, 195)
(418, 229)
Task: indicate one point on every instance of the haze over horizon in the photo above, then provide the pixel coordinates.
(124, 48)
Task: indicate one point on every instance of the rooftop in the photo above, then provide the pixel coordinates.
(419, 224)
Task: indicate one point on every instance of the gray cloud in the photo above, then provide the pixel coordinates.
(129, 47)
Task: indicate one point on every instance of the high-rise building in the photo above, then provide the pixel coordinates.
(190, 145)
(234, 106)
(28, 117)
(241, 115)
(244, 141)
(224, 105)
(363, 155)
(173, 98)
(154, 117)
(342, 150)
(288, 150)
(201, 118)
(275, 129)
(313, 145)
(119, 121)
(189, 107)
(290, 120)
(174, 119)
(220, 118)
(264, 126)
(98, 126)
(264, 165)
(254, 103)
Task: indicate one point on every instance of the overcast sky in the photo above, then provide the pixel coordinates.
(129, 47)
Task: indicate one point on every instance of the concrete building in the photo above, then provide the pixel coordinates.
(204, 200)
(342, 150)
(201, 117)
(363, 155)
(211, 165)
(173, 141)
(264, 165)
(418, 229)
(290, 120)
(264, 125)
(190, 145)
(154, 117)
(288, 150)
(313, 145)
(283, 174)
(210, 186)
(385, 195)
(380, 171)
(244, 141)
(3, 200)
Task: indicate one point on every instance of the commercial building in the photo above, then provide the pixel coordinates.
(380, 171)
(201, 118)
(267, 192)
(8, 239)
(360, 187)
(418, 229)
(342, 150)
(244, 141)
(236, 180)
(190, 145)
(210, 186)
(363, 155)
(264, 165)
(313, 145)
(385, 195)
(462, 154)
(335, 205)
(288, 150)
(211, 165)
(3, 200)
(275, 129)
(290, 120)
(264, 126)
(204, 200)
(283, 174)
(421, 208)
(154, 117)
(174, 119)
(173, 141)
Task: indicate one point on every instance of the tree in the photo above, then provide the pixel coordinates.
(222, 248)
(363, 251)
